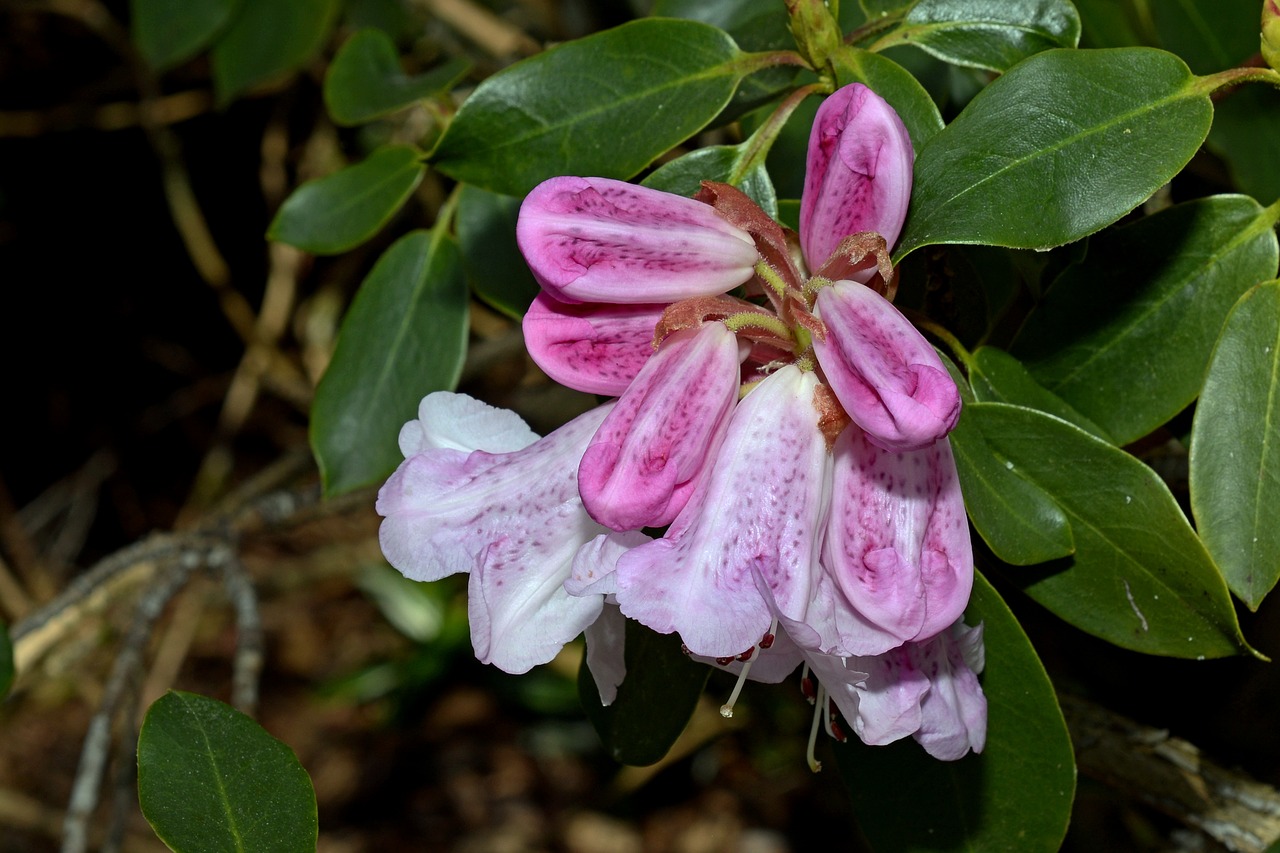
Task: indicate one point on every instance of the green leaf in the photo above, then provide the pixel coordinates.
(1000, 378)
(654, 701)
(1246, 135)
(1020, 522)
(1211, 35)
(1066, 142)
(365, 80)
(210, 779)
(1235, 448)
(6, 660)
(1124, 336)
(170, 31)
(896, 85)
(1139, 578)
(268, 38)
(496, 270)
(404, 336)
(729, 164)
(1015, 796)
(605, 105)
(340, 211)
(992, 34)
(1106, 23)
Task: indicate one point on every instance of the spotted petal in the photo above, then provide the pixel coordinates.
(762, 511)
(858, 176)
(886, 375)
(595, 347)
(514, 521)
(600, 240)
(954, 712)
(898, 540)
(662, 436)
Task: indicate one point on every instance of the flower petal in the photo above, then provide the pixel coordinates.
(898, 541)
(514, 520)
(954, 712)
(761, 511)
(886, 375)
(649, 454)
(448, 420)
(595, 564)
(596, 347)
(600, 240)
(858, 176)
(606, 645)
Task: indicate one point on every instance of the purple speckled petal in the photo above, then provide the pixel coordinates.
(898, 540)
(858, 176)
(658, 442)
(600, 240)
(596, 347)
(515, 522)
(954, 712)
(761, 511)
(596, 562)
(885, 374)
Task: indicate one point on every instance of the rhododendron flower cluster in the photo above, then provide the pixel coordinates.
(774, 412)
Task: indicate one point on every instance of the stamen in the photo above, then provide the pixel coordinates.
(726, 710)
(724, 661)
(828, 719)
(807, 686)
(766, 642)
(814, 764)
(746, 656)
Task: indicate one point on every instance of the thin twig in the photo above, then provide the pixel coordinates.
(247, 663)
(122, 683)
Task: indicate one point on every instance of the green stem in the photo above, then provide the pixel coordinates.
(759, 143)
(749, 63)
(1235, 76)
(871, 29)
(1272, 213)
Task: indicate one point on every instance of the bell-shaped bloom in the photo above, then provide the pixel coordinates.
(885, 374)
(953, 715)
(897, 542)
(662, 436)
(512, 519)
(858, 174)
(596, 348)
(601, 240)
(761, 511)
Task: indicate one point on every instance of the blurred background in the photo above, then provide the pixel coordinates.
(159, 357)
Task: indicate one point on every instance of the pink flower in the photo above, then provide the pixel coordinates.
(774, 409)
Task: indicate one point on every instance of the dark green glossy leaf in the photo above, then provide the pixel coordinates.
(211, 780)
(1016, 796)
(495, 268)
(1140, 578)
(1000, 378)
(170, 31)
(1066, 142)
(993, 34)
(1020, 522)
(365, 80)
(753, 26)
(730, 164)
(1211, 35)
(654, 701)
(267, 38)
(605, 105)
(342, 210)
(966, 289)
(1235, 448)
(6, 660)
(895, 84)
(404, 336)
(1107, 23)
(1124, 335)
(1246, 135)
